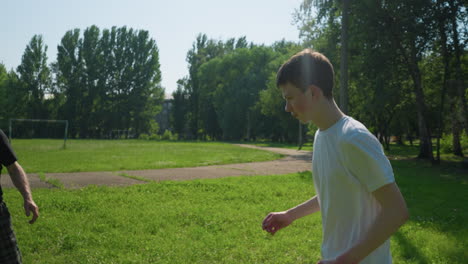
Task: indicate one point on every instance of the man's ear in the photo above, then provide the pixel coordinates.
(314, 90)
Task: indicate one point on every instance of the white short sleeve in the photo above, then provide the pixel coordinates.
(364, 157)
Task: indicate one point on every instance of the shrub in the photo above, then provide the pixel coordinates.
(154, 137)
(446, 143)
(144, 136)
(169, 136)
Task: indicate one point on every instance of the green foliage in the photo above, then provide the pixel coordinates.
(3, 89)
(446, 143)
(111, 80)
(168, 135)
(154, 137)
(280, 126)
(35, 74)
(220, 97)
(233, 93)
(312, 129)
(180, 109)
(153, 127)
(397, 53)
(143, 136)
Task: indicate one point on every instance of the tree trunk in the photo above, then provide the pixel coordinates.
(456, 129)
(248, 126)
(301, 142)
(344, 58)
(411, 60)
(425, 147)
(446, 59)
(458, 70)
(456, 124)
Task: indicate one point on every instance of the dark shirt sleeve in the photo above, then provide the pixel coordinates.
(7, 156)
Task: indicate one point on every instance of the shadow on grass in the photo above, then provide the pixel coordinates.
(436, 197)
(407, 151)
(409, 251)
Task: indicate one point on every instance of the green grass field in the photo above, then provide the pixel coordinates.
(219, 220)
(112, 155)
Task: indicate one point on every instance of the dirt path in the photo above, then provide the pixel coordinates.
(294, 161)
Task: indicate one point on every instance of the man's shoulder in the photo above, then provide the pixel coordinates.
(353, 129)
(355, 134)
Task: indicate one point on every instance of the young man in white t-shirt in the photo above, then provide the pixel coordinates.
(360, 203)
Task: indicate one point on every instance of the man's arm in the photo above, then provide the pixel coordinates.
(394, 214)
(20, 180)
(276, 221)
(309, 207)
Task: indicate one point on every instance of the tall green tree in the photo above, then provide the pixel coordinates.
(15, 97)
(147, 93)
(180, 110)
(278, 124)
(3, 90)
(203, 50)
(92, 62)
(69, 69)
(344, 56)
(110, 81)
(409, 23)
(35, 74)
(406, 25)
(459, 21)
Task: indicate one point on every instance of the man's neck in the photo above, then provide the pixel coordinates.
(329, 115)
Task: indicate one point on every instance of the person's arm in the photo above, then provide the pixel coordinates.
(393, 214)
(309, 207)
(278, 220)
(20, 180)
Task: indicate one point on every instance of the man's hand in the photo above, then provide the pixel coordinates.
(31, 207)
(276, 221)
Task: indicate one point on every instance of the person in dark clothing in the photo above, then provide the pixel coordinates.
(9, 251)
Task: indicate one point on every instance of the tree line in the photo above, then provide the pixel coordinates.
(407, 65)
(400, 68)
(102, 81)
(225, 96)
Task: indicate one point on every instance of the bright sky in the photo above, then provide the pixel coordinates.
(173, 24)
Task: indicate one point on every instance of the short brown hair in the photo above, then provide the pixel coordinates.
(307, 68)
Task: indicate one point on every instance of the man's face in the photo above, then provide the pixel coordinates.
(298, 103)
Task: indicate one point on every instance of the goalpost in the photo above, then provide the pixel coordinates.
(40, 120)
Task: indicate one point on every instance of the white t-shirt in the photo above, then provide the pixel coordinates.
(348, 164)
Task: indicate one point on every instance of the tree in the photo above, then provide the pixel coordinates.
(110, 80)
(92, 62)
(180, 107)
(406, 25)
(344, 57)
(16, 96)
(459, 16)
(203, 50)
(410, 25)
(35, 75)
(69, 68)
(278, 124)
(3, 90)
